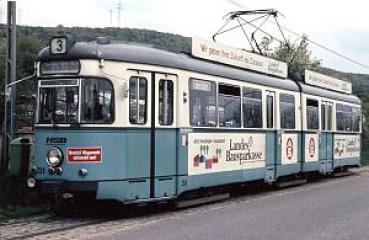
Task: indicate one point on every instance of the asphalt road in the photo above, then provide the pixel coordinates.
(333, 209)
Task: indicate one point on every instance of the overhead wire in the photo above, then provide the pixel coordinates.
(308, 39)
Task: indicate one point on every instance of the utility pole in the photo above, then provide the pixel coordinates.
(111, 17)
(119, 8)
(10, 77)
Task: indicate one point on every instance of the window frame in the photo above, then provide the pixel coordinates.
(79, 80)
(339, 118)
(146, 100)
(323, 116)
(112, 97)
(190, 113)
(240, 102)
(344, 118)
(318, 121)
(272, 106)
(329, 121)
(173, 102)
(358, 108)
(261, 123)
(327, 114)
(294, 110)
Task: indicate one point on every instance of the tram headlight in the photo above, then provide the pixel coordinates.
(54, 157)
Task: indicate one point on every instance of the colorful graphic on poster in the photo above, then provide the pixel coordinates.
(217, 152)
(289, 148)
(346, 146)
(311, 147)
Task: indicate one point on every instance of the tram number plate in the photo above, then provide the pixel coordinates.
(85, 155)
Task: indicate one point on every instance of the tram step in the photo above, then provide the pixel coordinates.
(291, 183)
(198, 201)
(343, 174)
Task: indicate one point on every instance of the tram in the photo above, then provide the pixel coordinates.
(133, 123)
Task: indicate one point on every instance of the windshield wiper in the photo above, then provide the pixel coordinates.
(52, 119)
(54, 123)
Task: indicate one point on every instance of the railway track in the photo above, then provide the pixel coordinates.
(58, 228)
(51, 227)
(44, 225)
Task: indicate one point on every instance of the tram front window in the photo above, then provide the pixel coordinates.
(59, 101)
(59, 104)
(97, 101)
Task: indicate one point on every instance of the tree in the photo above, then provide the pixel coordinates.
(265, 45)
(297, 56)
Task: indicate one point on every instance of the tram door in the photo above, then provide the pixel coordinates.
(137, 139)
(151, 144)
(326, 138)
(271, 137)
(164, 137)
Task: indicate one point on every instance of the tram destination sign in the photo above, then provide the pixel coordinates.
(327, 82)
(236, 57)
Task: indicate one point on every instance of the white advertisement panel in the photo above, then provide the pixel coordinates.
(289, 148)
(311, 147)
(237, 57)
(346, 146)
(217, 152)
(328, 82)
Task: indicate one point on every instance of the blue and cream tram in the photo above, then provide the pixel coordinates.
(133, 123)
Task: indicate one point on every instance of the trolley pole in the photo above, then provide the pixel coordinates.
(10, 77)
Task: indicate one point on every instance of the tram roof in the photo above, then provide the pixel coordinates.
(142, 54)
(321, 92)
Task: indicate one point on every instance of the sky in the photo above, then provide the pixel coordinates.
(338, 25)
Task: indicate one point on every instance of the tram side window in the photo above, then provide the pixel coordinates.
(137, 100)
(312, 114)
(252, 108)
(287, 106)
(340, 117)
(229, 106)
(344, 117)
(165, 102)
(270, 111)
(347, 112)
(97, 101)
(322, 113)
(355, 119)
(329, 117)
(203, 103)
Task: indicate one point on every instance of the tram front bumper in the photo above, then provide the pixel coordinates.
(60, 186)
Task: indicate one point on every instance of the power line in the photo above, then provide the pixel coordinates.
(309, 40)
(21, 80)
